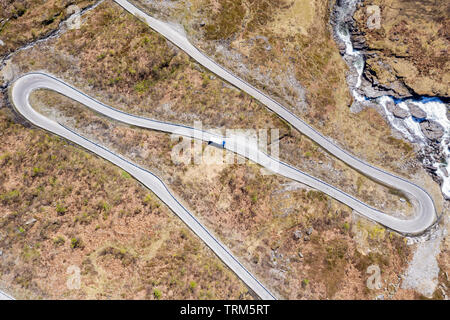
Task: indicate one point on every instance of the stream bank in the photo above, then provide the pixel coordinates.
(424, 121)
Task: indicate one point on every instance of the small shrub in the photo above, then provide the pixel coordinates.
(192, 285)
(148, 199)
(157, 293)
(101, 56)
(305, 282)
(10, 197)
(346, 226)
(58, 241)
(106, 206)
(36, 171)
(60, 209)
(125, 174)
(75, 243)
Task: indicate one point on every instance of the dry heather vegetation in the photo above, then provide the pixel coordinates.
(24, 21)
(61, 206)
(120, 61)
(283, 46)
(132, 68)
(256, 215)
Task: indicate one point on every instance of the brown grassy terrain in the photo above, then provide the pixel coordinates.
(280, 51)
(24, 21)
(116, 59)
(141, 73)
(61, 206)
(256, 215)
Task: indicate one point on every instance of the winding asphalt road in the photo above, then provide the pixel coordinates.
(24, 86)
(425, 211)
(20, 93)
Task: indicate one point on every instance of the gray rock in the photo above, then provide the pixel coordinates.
(400, 112)
(300, 254)
(437, 179)
(297, 235)
(416, 111)
(31, 221)
(341, 47)
(432, 130)
(307, 238)
(356, 107)
(358, 42)
(430, 168)
(309, 231)
(390, 105)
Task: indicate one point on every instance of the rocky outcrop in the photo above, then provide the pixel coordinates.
(386, 72)
(297, 235)
(432, 130)
(428, 156)
(400, 112)
(397, 111)
(358, 41)
(407, 54)
(416, 112)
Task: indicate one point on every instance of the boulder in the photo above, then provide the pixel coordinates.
(342, 48)
(31, 221)
(416, 111)
(358, 42)
(432, 130)
(390, 106)
(400, 112)
(444, 171)
(297, 235)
